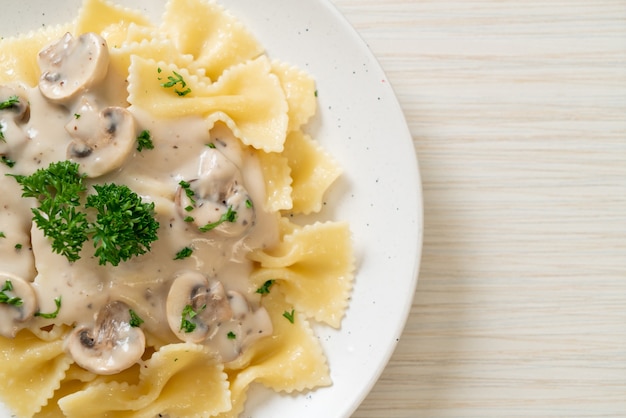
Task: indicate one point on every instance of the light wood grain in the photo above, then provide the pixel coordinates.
(518, 114)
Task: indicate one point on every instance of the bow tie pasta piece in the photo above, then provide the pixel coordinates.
(43, 355)
(300, 91)
(247, 97)
(314, 267)
(182, 380)
(292, 360)
(98, 15)
(18, 56)
(215, 38)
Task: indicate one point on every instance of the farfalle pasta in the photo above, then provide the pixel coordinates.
(201, 138)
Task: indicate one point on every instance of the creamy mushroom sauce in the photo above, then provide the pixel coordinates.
(142, 283)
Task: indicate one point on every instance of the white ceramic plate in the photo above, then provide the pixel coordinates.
(360, 123)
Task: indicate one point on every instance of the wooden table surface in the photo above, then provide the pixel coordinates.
(518, 115)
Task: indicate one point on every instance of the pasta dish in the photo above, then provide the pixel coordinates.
(150, 260)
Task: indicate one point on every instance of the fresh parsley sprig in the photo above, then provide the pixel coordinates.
(9, 300)
(144, 141)
(58, 189)
(174, 80)
(51, 315)
(229, 216)
(186, 323)
(124, 227)
(10, 102)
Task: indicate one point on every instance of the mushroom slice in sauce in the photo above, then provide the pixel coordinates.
(18, 304)
(71, 65)
(200, 311)
(246, 327)
(195, 307)
(15, 111)
(217, 200)
(103, 139)
(110, 345)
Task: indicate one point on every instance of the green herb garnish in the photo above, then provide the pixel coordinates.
(10, 102)
(184, 253)
(57, 189)
(173, 81)
(229, 216)
(135, 320)
(144, 141)
(124, 227)
(7, 161)
(190, 193)
(290, 315)
(51, 315)
(231, 335)
(265, 288)
(188, 314)
(9, 300)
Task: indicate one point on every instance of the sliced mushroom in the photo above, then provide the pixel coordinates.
(217, 200)
(14, 112)
(18, 304)
(110, 345)
(103, 139)
(200, 311)
(15, 103)
(71, 65)
(195, 307)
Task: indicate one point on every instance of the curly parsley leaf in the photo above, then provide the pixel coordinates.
(124, 227)
(9, 300)
(188, 314)
(265, 288)
(51, 315)
(144, 141)
(184, 253)
(58, 189)
(290, 316)
(174, 80)
(229, 216)
(135, 320)
(10, 102)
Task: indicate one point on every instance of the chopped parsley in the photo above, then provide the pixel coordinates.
(57, 190)
(189, 219)
(76, 115)
(290, 316)
(10, 102)
(51, 315)
(9, 300)
(124, 226)
(135, 320)
(265, 288)
(229, 216)
(2, 235)
(211, 145)
(174, 80)
(231, 335)
(249, 203)
(186, 323)
(2, 138)
(144, 141)
(18, 246)
(190, 193)
(184, 253)
(7, 161)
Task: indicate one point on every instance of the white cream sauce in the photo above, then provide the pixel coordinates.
(143, 282)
